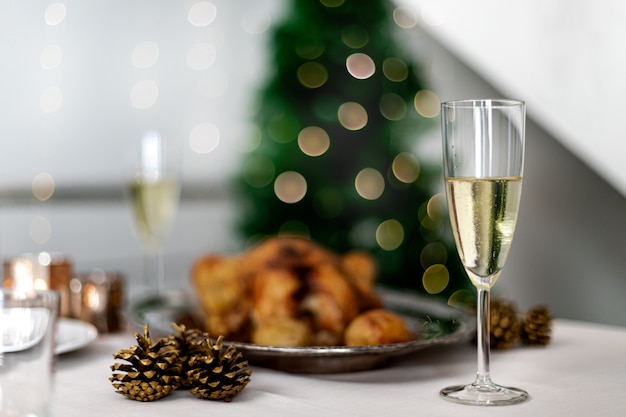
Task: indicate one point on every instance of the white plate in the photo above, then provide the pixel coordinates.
(73, 335)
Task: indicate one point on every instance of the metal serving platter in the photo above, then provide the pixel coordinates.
(433, 322)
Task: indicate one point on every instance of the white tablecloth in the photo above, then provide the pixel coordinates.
(581, 373)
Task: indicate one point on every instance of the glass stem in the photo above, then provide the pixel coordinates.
(147, 262)
(154, 270)
(160, 270)
(483, 323)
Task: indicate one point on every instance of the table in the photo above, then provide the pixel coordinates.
(582, 372)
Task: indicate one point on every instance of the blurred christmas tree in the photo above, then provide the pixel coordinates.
(338, 120)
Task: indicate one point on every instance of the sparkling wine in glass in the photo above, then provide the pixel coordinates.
(154, 195)
(483, 151)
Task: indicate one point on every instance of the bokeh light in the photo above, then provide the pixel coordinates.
(432, 15)
(427, 103)
(43, 186)
(313, 141)
(462, 299)
(202, 13)
(352, 116)
(406, 167)
(290, 187)
(395, 69)
(51, 57)
(435, 278)
(40, 230)
(312, 74)
(433, 253)
(204, 138)
(355, 36)
(144, 94)
(363, 233)
(332, 3)
(404, 17)
(360, 66)
(145, 55)
(308, 49)
(256, 22)
(55, 14)
(392, 106)
(436, 208)
(201, 56)
(369, 183)
(390, 234)
(51, 99)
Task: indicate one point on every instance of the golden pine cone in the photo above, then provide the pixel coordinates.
(536, 326)
(218, 373)
(151, 371)
(504, 325)
(189, 343)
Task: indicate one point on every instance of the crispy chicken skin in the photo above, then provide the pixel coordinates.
(377, 327)
(285, 291)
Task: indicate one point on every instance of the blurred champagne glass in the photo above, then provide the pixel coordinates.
(154, 194)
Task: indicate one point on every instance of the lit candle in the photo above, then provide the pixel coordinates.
(25, 273)
(29, 272)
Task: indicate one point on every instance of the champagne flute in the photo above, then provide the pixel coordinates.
(483, 152)
(154, 194)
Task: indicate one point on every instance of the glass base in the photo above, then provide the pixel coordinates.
(484, 394)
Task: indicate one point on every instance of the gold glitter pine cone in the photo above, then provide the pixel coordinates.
(505, 327)
(150, 371)
(189, 343)
(536, 327)
(218, 372)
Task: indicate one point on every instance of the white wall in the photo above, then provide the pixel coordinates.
(564, 57)
(81, 81)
